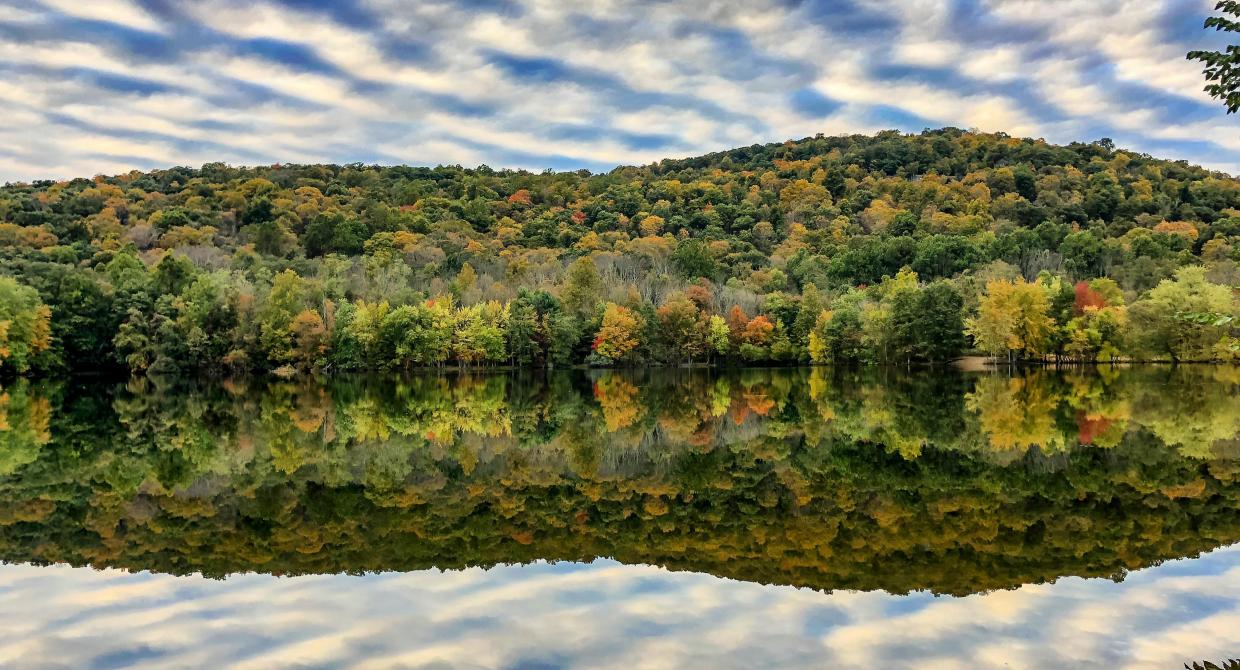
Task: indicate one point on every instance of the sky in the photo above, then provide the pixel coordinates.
(106, 86)
(606, 615)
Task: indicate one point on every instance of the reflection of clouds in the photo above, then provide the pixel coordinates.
(605, 615)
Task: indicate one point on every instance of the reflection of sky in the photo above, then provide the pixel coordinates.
(606, 615)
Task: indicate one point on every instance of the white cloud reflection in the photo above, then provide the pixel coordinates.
(606, 615)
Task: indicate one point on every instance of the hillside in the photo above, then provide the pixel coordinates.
(777, 253)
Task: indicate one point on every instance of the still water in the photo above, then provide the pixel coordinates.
(762, 518)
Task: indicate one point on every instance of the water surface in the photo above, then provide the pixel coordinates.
(783, 518)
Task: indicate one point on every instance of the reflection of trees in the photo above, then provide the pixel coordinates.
(1195, 418)
(1017, 412)
(829, 479)
(25, 418)
(619, 400)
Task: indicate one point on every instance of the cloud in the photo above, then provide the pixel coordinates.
(118, 84)
(605, 615)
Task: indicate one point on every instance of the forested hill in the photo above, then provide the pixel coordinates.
(827, 249)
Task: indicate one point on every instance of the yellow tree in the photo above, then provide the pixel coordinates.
(618, 335)
(1012, 317)
(310, 338)
(819, 344)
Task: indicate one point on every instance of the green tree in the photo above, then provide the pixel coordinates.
(478, 336)
(418, 335)
(937, 322)
(812, 304)
(334, 233)
(838, 335)
(562, 332)
(582, 288)
(84, 319)
(1082, 254)
(173, 274)
(693, 259)
(1187, 319)
(522, 333)
(356, 339)
(204, 318)
(289, 295)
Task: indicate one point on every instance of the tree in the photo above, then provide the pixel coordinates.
(25, 325)
(887, 323)
(1222, 68)
(1013, 317)
(310, 338)
(694, 260)
(1082, 254)
(902, 309)
(386, 269)
(1096, 333)
(582, 288)
(1085, 297)
(810, 308)
(618, 336)
(737, 320)
(265, 229)
(202, 323)
(1187, 319)
(758, 331)
(420, 334)
(522, 333)
(356, 338)
(478, 337)
(1103, 196)
(819, 344)
(682, 330)
(938, 323)
(651, 225)
(84, 316)
(838, 335)
(134, 341)
(718, 336)
(562, 332)
(464, 284)
(289, 295)
(173, 274)
(334, 233)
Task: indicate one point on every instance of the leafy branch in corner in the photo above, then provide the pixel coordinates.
(1222, 68)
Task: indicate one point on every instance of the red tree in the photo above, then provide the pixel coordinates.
(1087, 297)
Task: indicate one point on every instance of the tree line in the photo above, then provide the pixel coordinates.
(884, 249)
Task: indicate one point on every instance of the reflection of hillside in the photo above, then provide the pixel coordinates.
(849, 480)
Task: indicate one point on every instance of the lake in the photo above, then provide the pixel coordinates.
(610, 519)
